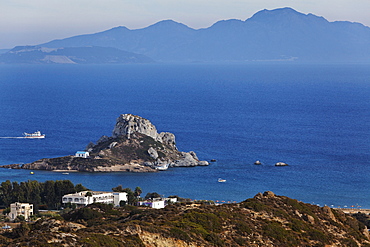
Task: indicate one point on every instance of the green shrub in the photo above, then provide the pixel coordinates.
(255, 205)
(241, 241)
(215, 240)
(179, 234)
(208, 221)
(298, 225)
(243, 228)
(83, 214)
(99, 240)
(276, 231)
(317, 235)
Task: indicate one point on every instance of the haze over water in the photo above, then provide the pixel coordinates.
(313, 117)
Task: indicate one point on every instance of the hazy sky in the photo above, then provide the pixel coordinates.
(29, 22)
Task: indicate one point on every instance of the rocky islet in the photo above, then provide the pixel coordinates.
(135, 146)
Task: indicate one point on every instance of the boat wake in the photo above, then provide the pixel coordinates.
(35, 135)
(11, 137)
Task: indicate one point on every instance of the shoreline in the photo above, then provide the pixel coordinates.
(64, 170)
(355, 210)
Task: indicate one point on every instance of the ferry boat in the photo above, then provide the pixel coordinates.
(36, 134)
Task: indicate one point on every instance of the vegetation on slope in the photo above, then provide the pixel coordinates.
(265, 220)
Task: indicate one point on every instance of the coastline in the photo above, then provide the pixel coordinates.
(355, 210)
(65, 171)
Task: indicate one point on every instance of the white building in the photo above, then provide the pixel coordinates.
(82, 154)
(84, 198)
(24, 209)
(155, 203)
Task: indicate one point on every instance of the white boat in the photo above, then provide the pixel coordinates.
(36, 134)
(162, 167)
(281, 164)
(220, 180)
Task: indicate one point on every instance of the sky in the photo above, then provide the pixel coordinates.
(25, 22)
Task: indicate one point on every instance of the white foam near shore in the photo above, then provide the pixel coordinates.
(65, 170)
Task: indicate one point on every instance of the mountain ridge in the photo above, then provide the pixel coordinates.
(282, 34)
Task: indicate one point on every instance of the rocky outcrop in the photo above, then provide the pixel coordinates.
(158, 150)
(189, 159)
(128, 124)
(135, 146)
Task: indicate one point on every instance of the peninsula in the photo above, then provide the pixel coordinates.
(135, 146)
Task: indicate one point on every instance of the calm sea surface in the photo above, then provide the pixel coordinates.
(314, 117)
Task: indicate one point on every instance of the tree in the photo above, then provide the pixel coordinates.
(118, 189)
(6, 211)
(63, 187)
(138, 191)
(152, 195)
(35, 194)
(5, 193)
(19, 193)
(48, 194)
(20, 218)
(80, 187)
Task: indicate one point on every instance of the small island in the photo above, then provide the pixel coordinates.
(135, 146)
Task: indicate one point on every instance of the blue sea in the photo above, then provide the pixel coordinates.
(316, 118)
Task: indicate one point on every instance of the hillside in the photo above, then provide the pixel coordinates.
(71, 55)
(269, 35)
(265, 220)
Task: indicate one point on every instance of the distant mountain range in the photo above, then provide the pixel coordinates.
(269, 35)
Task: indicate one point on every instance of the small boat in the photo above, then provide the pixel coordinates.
(65, 173)
(34, 135)
(162, 167)
(281, 164)
(258, 162)
(32, 173)
(220, 180)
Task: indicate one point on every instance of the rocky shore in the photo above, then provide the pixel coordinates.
(135, 146)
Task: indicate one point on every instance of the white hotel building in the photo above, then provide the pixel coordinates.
(84, 198)
(18, 208)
